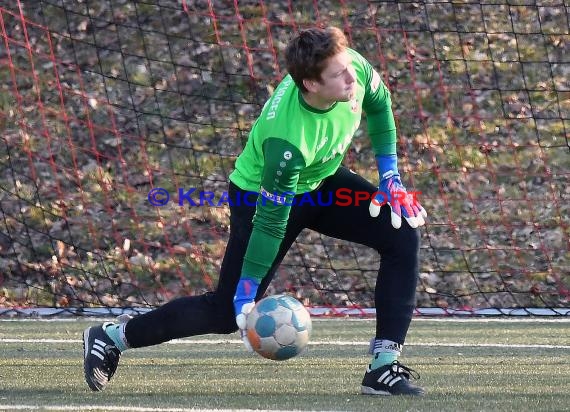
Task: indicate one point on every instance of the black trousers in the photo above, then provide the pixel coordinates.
(213, 312)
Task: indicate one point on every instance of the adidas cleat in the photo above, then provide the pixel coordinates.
(101, 357)
(393, 379)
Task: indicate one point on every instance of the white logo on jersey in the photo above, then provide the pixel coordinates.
(340, 148)
(277, 99)
(375, 82)
(322, 143)
(354, 105)
(280, 200)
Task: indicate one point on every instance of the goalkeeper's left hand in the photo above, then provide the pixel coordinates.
(244, 301)
(392, 192)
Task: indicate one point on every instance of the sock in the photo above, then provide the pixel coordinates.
(116, 331)
(385, 352)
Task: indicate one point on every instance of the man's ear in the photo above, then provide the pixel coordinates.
(310, 85)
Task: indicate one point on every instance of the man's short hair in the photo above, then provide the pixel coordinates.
(306, 53)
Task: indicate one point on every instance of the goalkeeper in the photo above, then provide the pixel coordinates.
(294, 152)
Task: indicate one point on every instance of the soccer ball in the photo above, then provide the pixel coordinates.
(278, 327)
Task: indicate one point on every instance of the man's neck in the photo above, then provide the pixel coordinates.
(314, 101)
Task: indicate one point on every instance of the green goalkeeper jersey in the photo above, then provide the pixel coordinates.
(292, 147)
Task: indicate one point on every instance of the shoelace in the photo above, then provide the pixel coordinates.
(398, 369)
(111, 360)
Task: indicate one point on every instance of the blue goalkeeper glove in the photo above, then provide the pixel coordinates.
(391, 191)
(244, 301)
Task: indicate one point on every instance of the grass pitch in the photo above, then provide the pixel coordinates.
(473, 365)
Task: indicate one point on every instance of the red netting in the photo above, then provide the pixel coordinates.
(104, 101)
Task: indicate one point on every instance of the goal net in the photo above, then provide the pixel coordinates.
(103, 102)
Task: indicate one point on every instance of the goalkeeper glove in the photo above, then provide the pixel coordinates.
(244, 301)
(392, 191)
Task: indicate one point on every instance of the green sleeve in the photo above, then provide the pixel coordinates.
(380, 119)
(282, 164)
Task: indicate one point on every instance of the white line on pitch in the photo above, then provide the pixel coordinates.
(522, 319)
(119, 408)
(316, 343)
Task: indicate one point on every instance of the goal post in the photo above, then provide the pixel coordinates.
(120, 122)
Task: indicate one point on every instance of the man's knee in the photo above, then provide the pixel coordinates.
(411, 237)
(406, 240)
(224, 315)
(404, 248)
(227, 325)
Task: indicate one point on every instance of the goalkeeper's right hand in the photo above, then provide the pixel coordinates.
(244, 301)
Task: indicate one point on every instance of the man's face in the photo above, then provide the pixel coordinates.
(338, 79)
